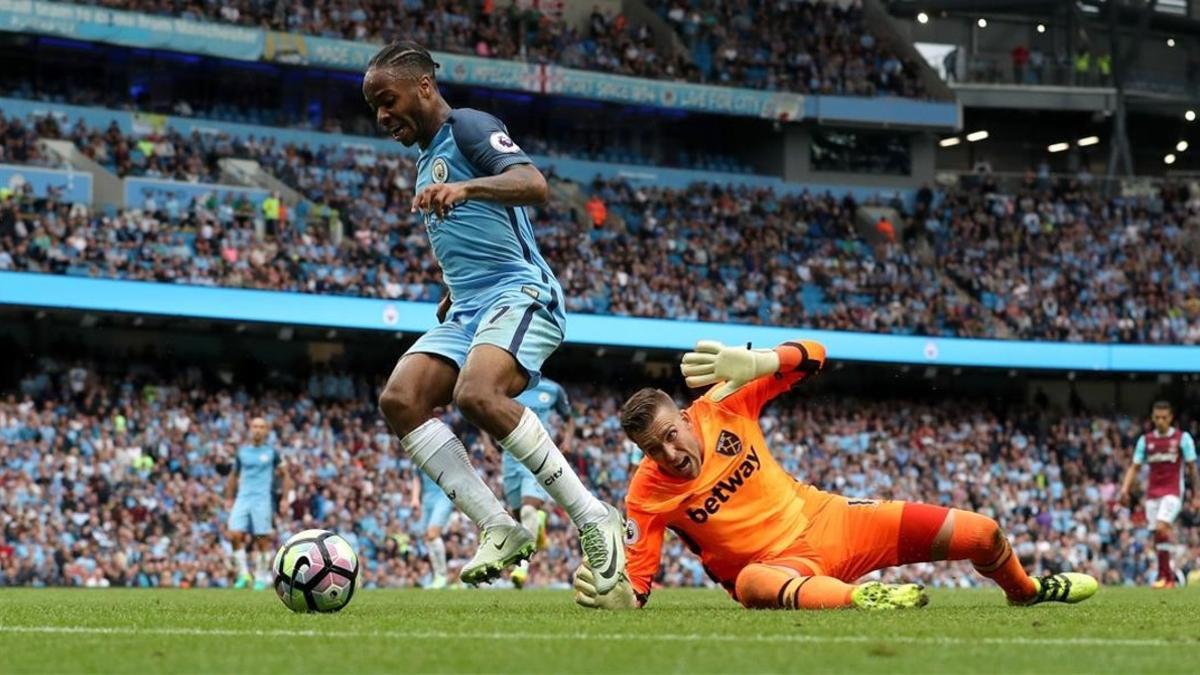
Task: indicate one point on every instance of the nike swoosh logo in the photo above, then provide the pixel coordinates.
(438, 481)
(541, 466)
(607, 572)
(502, 543)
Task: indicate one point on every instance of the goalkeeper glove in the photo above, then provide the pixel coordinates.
(733, 367)
(620, 597)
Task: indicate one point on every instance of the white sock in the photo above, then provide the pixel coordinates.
(439, 453)
(531, 445)
(262, 565)
(437, 556)
(239, 557)
(529, 519)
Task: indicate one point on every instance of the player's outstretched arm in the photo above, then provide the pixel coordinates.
(732, 368)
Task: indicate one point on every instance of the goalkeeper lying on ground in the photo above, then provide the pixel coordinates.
(769, 540)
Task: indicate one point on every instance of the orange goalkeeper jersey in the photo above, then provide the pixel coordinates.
(743, 506)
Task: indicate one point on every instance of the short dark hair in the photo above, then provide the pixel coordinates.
(405, 57)
(1163, 404)
(639, 411)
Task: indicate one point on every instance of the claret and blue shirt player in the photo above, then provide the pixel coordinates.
(500, 321)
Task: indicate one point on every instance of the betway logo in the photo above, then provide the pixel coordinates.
(1162, 457)
(724, 489)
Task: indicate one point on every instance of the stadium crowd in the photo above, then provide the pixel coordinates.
(115, 478)
(1062, 262)
(168, 155)
(776, 258)
(807, 47)
(1047, 260)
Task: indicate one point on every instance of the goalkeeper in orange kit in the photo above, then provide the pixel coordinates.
(769, 540)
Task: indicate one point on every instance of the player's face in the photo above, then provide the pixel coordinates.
(258, 430)
(398, 103)
(1162, 419)
(672, 444)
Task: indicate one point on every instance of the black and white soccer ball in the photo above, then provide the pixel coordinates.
(315, 571)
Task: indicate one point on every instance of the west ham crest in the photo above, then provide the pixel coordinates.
(728, 444)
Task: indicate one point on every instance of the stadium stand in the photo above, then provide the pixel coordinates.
(112, 474)
(740, 44)
(1109, 270)
(813, 48)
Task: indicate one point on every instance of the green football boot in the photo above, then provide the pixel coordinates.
(500, 547)
(1068, 587)
(520, 575)
(875, 595)
(603, 547)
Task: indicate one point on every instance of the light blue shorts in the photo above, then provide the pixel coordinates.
(253, 516)
(512, 320)
(436, 508)
(519, 482)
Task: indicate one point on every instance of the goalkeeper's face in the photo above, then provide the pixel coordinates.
(671, 443)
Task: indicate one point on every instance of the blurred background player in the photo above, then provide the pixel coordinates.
(524, 494)
(502, 318)
(771, 541)
(435, 508)
(1166, 449)
(249, 500)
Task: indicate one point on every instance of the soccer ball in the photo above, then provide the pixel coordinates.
(315, 571)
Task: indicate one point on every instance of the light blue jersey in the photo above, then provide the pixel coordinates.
(253, 510)
(256, 471)
(480, 245)
(544, 398)
(503, 292)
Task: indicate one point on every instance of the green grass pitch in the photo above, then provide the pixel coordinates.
(1121, 630)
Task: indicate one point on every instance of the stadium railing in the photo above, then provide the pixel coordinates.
(249, 44)
(72, 186)
(237, 305)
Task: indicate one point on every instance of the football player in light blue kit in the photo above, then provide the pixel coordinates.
(501, 320)
(524, 493)
(250, 502)
(435, 509)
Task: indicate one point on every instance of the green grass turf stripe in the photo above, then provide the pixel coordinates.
(639, 637)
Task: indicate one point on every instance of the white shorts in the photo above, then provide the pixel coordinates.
(1165, 508)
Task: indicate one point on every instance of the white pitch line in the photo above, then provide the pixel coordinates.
(631, 637)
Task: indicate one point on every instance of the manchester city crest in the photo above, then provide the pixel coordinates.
(440, 171)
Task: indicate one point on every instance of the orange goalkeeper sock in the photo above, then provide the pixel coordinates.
(762, 586)
(978, 538)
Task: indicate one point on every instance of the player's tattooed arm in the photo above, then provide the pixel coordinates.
(518, 185)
